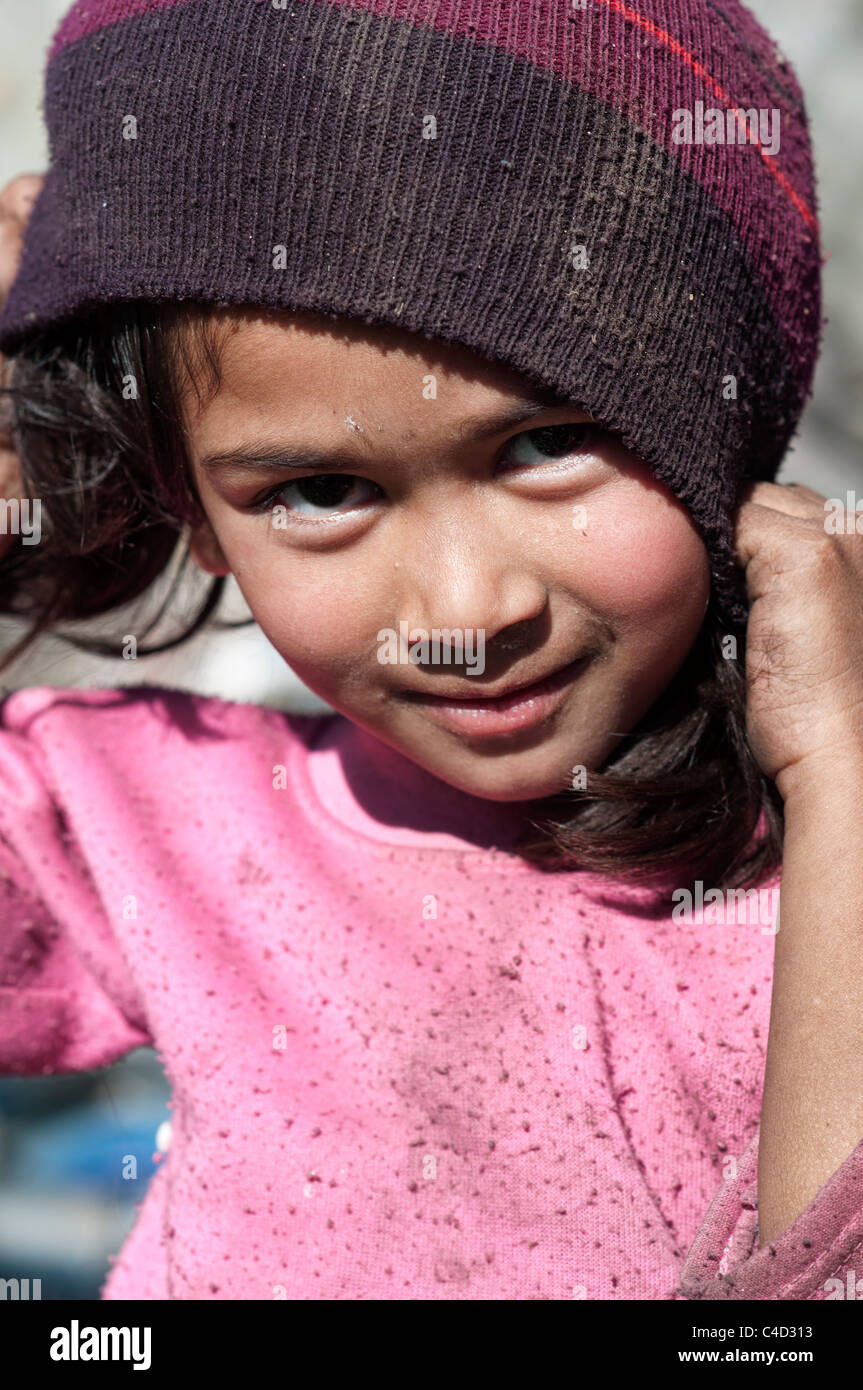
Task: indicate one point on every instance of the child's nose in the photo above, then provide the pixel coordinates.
(459, 580)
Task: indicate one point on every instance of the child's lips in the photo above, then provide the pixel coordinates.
(513, 709)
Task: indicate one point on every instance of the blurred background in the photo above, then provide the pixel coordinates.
(66, 1198)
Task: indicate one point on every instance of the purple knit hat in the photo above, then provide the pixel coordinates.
(615, 200)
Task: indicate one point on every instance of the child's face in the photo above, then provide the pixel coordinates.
(537, 550)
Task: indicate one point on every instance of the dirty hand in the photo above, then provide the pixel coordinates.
(803, 560)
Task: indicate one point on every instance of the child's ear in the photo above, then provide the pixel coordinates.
(206, 551)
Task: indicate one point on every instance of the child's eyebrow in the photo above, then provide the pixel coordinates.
(253, 457)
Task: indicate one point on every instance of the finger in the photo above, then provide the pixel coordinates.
(770, 540)
(794, 499)
(16, 204)
(805, 493)
(11, 482)
(18, 197)
(10, 255)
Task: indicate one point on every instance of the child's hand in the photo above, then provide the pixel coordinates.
(804, 643)
(16, 202)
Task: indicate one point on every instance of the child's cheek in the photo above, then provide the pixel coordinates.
(640, 557)
(320, 619)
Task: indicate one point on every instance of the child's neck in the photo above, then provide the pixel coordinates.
(395, 792)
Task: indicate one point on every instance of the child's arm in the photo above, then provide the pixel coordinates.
(68, 1001)
(805, 724)
(812, 1111)
(789, 1224)
(65, 1001)
(818, 1257)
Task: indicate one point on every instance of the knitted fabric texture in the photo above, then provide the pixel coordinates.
(615, 200)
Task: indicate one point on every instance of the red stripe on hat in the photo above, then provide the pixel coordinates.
(633, 17)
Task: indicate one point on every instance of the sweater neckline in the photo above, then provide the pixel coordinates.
(337, 758)
(378, 794)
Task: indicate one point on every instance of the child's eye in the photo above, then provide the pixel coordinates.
(322, 494)
(552, 442)
(329, 494)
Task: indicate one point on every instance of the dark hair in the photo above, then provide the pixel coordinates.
(96, 421)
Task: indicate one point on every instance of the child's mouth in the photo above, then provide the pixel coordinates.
(490, 716)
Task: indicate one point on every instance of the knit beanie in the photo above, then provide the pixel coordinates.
(616, 200)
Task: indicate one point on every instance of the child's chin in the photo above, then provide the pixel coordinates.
(504, 779)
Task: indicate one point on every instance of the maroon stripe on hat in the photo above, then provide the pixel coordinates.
(89, 16)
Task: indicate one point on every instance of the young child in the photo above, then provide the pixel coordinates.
(444, 332)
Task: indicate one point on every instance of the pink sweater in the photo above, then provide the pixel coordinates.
(405, 1064)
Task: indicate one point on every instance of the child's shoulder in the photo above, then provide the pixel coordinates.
(139, 719)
